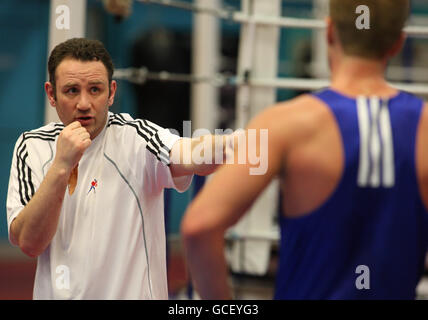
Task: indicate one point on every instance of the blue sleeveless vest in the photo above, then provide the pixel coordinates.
(369, 239)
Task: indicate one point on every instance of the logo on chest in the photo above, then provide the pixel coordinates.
(94, 185)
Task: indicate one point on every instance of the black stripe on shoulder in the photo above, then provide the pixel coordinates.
(146, 131)
(121, 122)
(145, 137)
(25, 179)
(56, 126)
(19, 164)
(148, 125)
(47, 135)
(55, 130)
(155, 140)
(26, 188)
(162, 145)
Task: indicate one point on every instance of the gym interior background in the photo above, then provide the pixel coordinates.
(159, 38)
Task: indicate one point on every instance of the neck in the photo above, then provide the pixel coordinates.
(356, 76)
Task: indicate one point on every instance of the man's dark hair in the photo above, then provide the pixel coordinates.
(79, 49)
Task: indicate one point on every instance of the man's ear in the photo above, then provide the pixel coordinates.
(398, 45)
(50, 93)
(113, 88)
(330, 31)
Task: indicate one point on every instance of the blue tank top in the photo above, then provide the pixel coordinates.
(369, 239)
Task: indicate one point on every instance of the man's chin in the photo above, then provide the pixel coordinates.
(94, 132)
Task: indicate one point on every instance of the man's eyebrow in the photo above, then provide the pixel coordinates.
(70, 84)
(92, 82)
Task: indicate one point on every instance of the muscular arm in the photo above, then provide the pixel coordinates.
(220, 204)
(35, 226)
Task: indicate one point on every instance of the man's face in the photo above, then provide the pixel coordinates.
(82, 94)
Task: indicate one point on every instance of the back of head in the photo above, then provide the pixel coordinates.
(79, 49)
(387, 20)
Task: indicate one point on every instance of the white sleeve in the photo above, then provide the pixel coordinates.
(22, 182)
(158, 161)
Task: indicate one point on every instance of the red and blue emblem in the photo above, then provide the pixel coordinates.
(94, 185)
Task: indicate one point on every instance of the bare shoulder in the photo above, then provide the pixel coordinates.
(423, 127)
(301, 116)
(425, 111)
(424, 121)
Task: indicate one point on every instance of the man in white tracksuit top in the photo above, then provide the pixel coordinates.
(103, 236)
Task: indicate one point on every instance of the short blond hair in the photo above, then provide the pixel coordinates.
(387, 20)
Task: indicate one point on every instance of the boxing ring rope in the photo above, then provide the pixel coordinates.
(142, 75)
(285, 22)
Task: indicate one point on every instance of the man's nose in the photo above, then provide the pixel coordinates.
(84, 102)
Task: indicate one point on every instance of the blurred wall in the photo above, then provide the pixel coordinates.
(23, 50)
